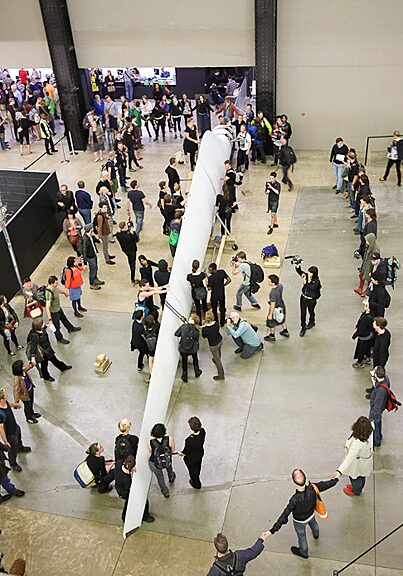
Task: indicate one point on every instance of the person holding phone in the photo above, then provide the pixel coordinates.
(310, 295)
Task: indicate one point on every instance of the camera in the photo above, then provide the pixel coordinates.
(234, 259)
(295, 259)
(357, 254)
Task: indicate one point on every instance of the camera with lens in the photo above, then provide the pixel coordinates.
(357, 254)
(234, 259)
(295, 259)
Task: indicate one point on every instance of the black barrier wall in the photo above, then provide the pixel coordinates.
(33, 228)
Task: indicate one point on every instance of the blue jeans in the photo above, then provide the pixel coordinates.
(7, 485)
(357, 484)
(378, 431)
(338, 171)
(129, 91)
(92, 269)
(300, 529)
(244, 290)
(139, 215)
(85, 213)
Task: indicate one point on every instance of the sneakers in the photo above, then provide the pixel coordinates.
(358, 365)
(348, 490)
(198, 373)
(218, 377)
(16, 468)
(81, 309)
(140, 369)
(284, 333)
(368, 390)
(67, 368)
(270, 231)
(20, 347)
(50, 379)
(310, 325)
(257, 306)
(172, 478)
(184, 378)
(64, 341)
(95, 287)
(270, 338)
(36, 415)
(149, 519)
(32, 420)
(78, 315)
(110, 262)
(19, 493)
(238, 308)
(302, 332)
(75, 329)
(25, 449)
(238, 351)
(98, 282)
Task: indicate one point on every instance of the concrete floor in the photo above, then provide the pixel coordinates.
(290, 406)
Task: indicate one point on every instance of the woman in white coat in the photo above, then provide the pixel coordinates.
(358, 457)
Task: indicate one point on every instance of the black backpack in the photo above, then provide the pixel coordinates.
(95, 222)
(123, 448)
(162, 453)
(231, 566)
(63, 275)
(40, 295)
(256, 277)
(188, 338)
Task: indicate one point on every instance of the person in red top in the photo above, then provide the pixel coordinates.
(73, 282)
(23, 74)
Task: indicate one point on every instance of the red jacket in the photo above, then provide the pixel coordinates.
(74, 280)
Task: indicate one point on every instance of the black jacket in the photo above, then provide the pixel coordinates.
(3, 316)
(97, 466)
(310, 289)
(381, 348)
(363, 328)
(128, 242)
(41, 339)
(370, 227)
(379, 299)
(173, 177)
(123, 480)
(88, 247)
(302, 504)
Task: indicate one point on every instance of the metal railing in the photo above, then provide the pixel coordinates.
(65, 160)
(337, 572)
(367, 145)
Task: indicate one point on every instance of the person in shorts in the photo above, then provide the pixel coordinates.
(277, 313)
(273, 189)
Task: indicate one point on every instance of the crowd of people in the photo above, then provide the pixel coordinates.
(89, 224)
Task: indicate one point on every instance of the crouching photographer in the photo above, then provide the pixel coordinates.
(310, 294)
(244, 335)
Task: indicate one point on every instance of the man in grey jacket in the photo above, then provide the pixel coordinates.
(378, 395)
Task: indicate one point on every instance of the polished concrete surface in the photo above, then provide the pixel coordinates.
(291, 405)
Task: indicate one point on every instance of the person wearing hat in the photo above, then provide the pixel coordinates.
(379, 266)
(393, 157)
(378, 297)
(90, 257)
(128, 239)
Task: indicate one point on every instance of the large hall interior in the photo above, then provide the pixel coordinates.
(286, 153)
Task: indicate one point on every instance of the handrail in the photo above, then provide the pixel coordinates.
(337, 572)
(367, 145)
(43, 154)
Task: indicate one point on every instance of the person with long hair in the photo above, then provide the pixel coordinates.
(225, 209)
(73, 283)
(8, 324)
(358, 457)
(146, 109)
(203, 110)
(198, 281)
(211, 331)
(72, 228)
(310, 294)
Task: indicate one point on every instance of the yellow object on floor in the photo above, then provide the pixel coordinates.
(101, 364)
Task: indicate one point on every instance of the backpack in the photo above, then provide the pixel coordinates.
(238, 178)
(188, 339)
(256, 277)
(151, 341)
(393, 266)
(162, 453)
(40, 295)
(230, 569)
(143, 307)
(269, 251)
(292, 156)
(95, 222)
(123, 448)
(63, 275)
(392, 403)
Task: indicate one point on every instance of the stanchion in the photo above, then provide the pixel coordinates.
(65, 160)
(72, 151)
